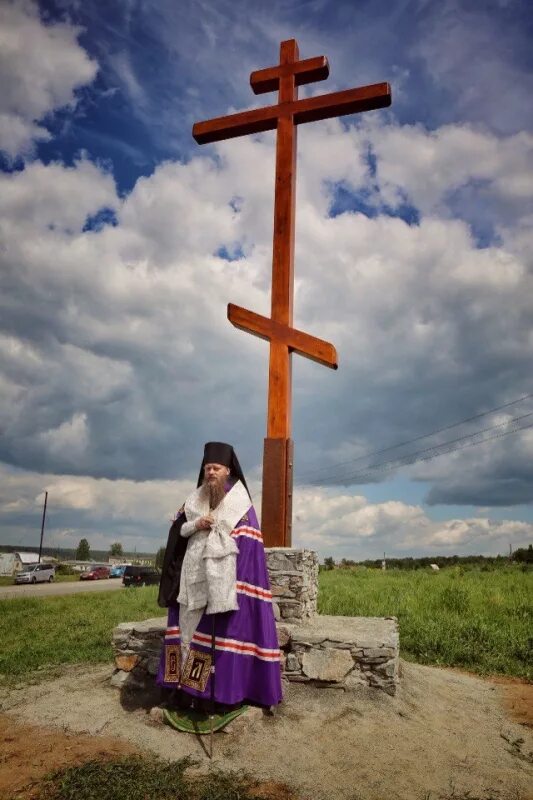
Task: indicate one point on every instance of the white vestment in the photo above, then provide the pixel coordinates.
(208, 573)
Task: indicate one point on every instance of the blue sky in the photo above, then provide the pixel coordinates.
(122, 241)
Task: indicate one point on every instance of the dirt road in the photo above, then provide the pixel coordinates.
(445, 734)
(68, 587)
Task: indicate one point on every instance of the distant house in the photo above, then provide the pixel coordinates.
(10, 563)
(83, 566)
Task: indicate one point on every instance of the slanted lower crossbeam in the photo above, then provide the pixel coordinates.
(294, 340)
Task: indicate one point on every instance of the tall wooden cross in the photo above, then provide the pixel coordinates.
(278, 330)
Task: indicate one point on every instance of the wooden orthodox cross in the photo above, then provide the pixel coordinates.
(284, 339)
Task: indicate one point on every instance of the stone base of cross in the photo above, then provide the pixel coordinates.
(284, 117)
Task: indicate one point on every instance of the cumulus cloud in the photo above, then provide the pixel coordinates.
(41, 66)
(69, 440)
(137, 513)
(348, 526)
(117, 356)
(434, 55)
(413, 256)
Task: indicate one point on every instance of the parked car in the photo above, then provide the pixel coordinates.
(36, 573)
(117, 571)
(140, 576)
(95, 573)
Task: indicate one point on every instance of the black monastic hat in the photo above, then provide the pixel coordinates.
(222, 453)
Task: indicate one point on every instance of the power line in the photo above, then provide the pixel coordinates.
(319, 470)
(438, 449)
(429, 453)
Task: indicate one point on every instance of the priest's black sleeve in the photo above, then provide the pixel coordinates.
(174, 554)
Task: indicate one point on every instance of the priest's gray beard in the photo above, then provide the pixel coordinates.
(214, 491)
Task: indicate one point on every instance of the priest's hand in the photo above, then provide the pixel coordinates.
(204, 523)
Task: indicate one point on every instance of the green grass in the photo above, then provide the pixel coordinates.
(38, 632)
(143, 777)
(139, 778)
(482, 621)
(10, 581)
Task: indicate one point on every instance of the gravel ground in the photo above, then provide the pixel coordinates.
(445, 732)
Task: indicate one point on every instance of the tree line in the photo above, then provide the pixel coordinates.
(83, 552)
(521, 555)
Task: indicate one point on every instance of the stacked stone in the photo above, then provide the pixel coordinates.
(136, 648)
(342, 651)
(294, 582)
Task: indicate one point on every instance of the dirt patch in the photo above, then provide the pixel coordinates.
(517, 699)
(517, 694)
(444, 733)
(29, 752)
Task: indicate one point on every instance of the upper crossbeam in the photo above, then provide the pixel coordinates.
(308, 70)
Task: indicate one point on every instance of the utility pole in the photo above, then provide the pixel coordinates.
(42, 525)
(384, 562)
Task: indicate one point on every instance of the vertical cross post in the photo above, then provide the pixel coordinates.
(276, 511)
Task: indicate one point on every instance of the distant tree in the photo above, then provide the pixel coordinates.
(329, 563)
(348, 562)
(116, 549)
(83, 552)
(160, 557)
(524, 556)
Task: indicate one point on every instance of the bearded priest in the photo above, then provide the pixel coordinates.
(216, 588)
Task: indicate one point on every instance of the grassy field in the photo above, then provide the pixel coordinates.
(39, 632)
(481, 621)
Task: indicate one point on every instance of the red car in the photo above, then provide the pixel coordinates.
(95, 573)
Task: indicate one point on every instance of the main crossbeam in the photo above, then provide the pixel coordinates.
(310, 109)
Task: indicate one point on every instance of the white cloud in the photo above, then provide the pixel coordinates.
(41, 66)
(69, 440)
(136, 513)
(347, 526)
(18, 135)
(425, 167)
(341, 524)
(42, 199)
(127, 331)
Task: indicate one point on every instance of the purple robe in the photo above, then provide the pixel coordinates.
(247, 656)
